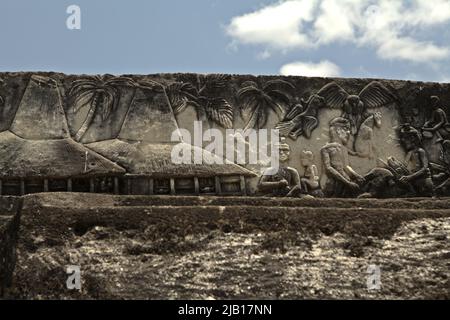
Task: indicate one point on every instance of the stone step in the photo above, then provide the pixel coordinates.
(100, 201)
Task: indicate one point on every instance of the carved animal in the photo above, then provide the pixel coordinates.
(363, 144)
(354, 108)
(302, 119)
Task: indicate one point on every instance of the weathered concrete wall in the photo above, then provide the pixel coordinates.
(150, 108)
(9, 230)
(137, 247)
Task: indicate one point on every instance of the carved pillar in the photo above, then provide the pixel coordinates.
(172, 186)
(218, 186)
(151, 186)
(243, 186)
(1, 187)
(116, 185)
(196, 185)
(128, 185)
(45, 185)
(69, 185)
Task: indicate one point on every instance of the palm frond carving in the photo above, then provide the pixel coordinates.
(201, 97)
(100, 93)
(256, 101)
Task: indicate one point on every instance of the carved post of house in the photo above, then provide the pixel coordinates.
(151, 186)
(243, 186)
(218, 186)
(1, 187)
(128, 185)
(22, 187)
(69, 185)
(116, 185)
(172, 186)
(196, 185)
(91, 185)
(45, 185)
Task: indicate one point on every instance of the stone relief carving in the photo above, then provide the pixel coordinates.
(100, 94)
(356, 108)
(343, 180)
(437, 124)
(329, 165)
(283, 181)
(364, 145)
(201, 96)
(303, 118)
(256, 101)
(310, 181)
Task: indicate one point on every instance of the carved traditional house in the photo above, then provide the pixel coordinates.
(143, 148)
(38, 155)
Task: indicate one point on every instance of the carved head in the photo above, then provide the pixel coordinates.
(353, 105)
(340, 130)
(284, 150)
(410, 137)
(307, 158)
(435, 101)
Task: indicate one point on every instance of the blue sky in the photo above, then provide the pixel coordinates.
(348, 38)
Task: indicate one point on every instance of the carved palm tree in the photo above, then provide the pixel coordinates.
(201, 97)
(100, 93)
(256, 101)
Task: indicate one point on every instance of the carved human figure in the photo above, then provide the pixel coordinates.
(443, 175)
(364, 144)
(303, 118)
(310, 180)
(281, 181)
(342, 179)
(437, 124)
(416, 161)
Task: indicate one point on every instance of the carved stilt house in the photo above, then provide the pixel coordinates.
(37, 153)
(143, 147)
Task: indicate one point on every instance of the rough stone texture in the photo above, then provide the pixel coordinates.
(149, 108)
(337, 131)
(210, 247)
(9, 228)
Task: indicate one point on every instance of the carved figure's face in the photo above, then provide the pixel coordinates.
(353, 100)
(307, 158)
(284, 155)
(434, 102)
(408, 143)
(353, 105)
(343, 133)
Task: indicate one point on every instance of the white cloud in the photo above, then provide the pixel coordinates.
(391, 27)
(309, 69)
(277, 25)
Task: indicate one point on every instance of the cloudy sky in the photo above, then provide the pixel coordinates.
(400, 39)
